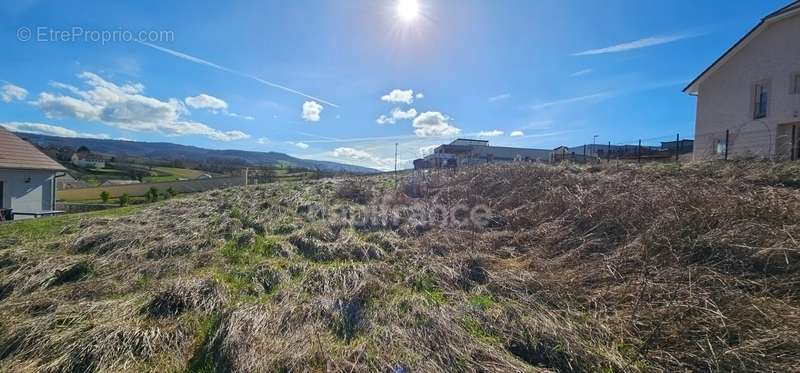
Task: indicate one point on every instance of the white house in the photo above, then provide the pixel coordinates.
(748, 100)
(87, 160)
(27, 177)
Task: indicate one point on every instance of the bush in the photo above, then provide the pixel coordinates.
(171, 192)
(124, 199)
(104, 196)
(151, 195)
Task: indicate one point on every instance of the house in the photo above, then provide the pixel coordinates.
(748, 100)
(684, 146)
(87, 160)
(119, 182)
(462, 152)
(27, 178)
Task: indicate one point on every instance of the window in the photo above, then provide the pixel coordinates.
(760, 100)
(721, 147)
(796, 84)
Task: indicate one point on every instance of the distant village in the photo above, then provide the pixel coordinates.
(466, 152)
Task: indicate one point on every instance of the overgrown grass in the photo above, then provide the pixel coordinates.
(663, 267)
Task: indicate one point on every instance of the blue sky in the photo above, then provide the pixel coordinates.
(346, 80)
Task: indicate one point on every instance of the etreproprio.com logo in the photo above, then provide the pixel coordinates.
(43, 34)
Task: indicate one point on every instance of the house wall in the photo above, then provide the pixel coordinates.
(726, 101)
(36, 195)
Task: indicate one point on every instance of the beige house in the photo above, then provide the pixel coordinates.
(27, 179)
(748, 100)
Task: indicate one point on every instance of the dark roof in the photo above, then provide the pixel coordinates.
(16, 153)
(793, 6)
(463, 139)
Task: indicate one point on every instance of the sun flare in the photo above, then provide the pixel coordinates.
(407, 10)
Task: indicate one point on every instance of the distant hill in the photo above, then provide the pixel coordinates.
(164, 151)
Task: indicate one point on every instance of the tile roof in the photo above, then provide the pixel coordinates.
(16, 153)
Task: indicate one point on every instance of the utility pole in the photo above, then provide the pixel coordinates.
(395, 165)
(246, 172)
(677, 149)
(594, 146)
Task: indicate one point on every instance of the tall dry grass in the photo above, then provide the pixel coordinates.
(615, 268)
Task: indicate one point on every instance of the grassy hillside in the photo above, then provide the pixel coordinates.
(500, 268)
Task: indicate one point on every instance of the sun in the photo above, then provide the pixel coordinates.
(407, 10)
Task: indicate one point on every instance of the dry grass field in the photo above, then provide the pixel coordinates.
(517, 267)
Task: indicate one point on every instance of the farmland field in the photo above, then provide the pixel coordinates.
(517, 267)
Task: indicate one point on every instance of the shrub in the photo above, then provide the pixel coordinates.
(151, 195)
(124, 199)
(172, 192)
(104, 196)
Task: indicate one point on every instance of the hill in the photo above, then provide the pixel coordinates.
(499, 268)
(169, 152)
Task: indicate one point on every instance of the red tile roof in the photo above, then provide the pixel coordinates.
(16, 153)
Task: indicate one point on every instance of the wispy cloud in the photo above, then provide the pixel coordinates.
(50, 130)
(638, 44)
(201, 61)
(581, 72)
(571, 100)
(504, 96)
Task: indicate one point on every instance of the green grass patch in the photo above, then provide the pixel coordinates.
(202, 360)
(475, 329)
(179, 172)
(481, 302)
(30, 230)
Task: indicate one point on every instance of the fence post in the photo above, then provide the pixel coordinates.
(727, 136)
(794, 143)
(608, 153)
(677, 147)
(639, 152)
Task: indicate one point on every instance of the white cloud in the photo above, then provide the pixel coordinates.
(300, 145)
(504, 96)
(581, 72)
(638, 44)
(245, 117)
(364, 157)
(50, 130)
(400, 96)
(433, 123)
(492, 133)
(311, 111)
(125, 107)
(10, 92)
(263, 141)
(420, 96)
(396, 115)
(214, 104)
(426, 150)
(517, 133)
(204, 101)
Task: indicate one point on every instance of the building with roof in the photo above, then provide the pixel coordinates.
(87, 160)
(748, 100)
(464, 152)
(27, 178)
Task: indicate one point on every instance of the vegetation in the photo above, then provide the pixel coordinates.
(124, 199)
(574, 268)
(104, 196)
